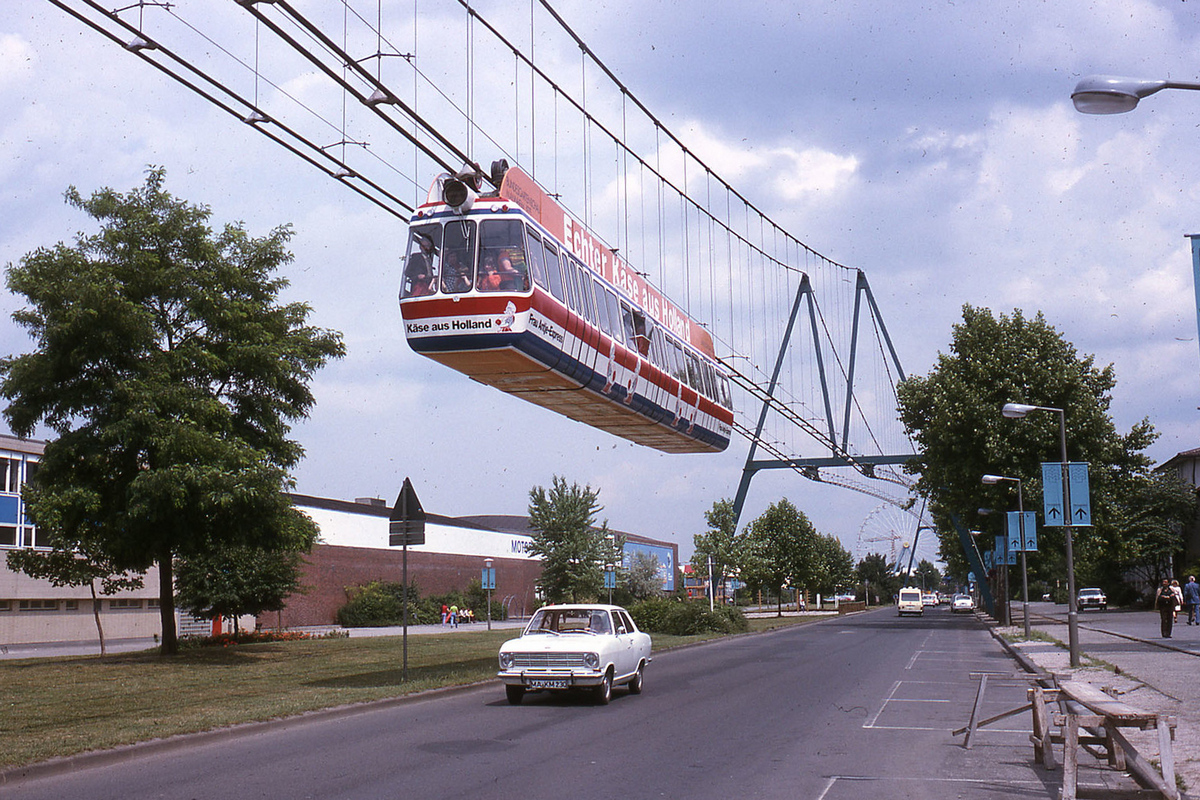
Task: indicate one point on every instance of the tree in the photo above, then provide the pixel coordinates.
(719, 543)
(779, 549)
(573, 551)
(927, 576)
(877, 576)
(240, 580)
(644, 578)
(832, 566)
(953, 415)
(170, 374)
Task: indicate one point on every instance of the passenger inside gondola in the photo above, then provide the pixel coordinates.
(420, 272)
(456, 276)
(511, 278)
(489, 277)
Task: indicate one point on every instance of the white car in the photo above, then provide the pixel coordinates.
(594, 647)
(962, 602)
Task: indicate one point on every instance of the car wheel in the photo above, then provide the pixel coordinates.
(639, 677)
(604, 690)
(514, 694)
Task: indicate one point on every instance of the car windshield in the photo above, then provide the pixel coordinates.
(570, 620)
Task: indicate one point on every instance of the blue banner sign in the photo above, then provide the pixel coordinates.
(1052, 493)
(1081, 496)
(1014, 531)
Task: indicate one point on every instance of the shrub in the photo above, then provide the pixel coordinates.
(379, 604)
(686, 618)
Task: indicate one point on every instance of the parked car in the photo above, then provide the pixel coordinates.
(593, 647)
(909, 602)
(1092, 598)
(962, 603)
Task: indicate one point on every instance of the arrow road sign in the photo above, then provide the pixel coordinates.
(1014, 531)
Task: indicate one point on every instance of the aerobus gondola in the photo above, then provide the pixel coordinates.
(507, 288)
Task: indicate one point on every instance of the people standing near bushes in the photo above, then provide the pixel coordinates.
(1177, 590)
(1164, 604)
(1191, 600)
(445, 614)
(454, 615)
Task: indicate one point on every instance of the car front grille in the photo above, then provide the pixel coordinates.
(547, 660)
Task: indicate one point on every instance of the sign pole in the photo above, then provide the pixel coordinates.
(406, 526)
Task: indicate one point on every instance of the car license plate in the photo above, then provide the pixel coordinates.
(559, 683)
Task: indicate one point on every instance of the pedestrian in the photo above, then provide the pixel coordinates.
(1191, 599)
(445, 614)
(1177, 590)
(1164, 604)
(454, 616)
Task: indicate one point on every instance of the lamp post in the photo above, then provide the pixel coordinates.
(1109, 94)
(992, 480)
(1018, 411)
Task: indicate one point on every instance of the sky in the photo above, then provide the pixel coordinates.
(933, 145)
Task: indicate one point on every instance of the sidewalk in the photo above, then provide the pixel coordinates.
(1121, 651)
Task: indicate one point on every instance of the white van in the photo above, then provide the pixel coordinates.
(910, 602)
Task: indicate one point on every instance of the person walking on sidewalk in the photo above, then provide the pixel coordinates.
(1191, 600)
(1164, 604)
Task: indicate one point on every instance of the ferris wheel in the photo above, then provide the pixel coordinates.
(890, 531)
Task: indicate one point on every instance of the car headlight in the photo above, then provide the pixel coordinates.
(506, 661)
(591, 660)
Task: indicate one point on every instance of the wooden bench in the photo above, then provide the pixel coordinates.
(1090, 717)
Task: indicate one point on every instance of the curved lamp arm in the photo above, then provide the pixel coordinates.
(1111, 94)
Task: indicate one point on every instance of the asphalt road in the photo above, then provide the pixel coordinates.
(851, 707)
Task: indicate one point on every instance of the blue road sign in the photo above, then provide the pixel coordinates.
(1081, 497)
(1052, 493)
(488, 578)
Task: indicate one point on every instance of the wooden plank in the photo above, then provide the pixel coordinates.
(1099, 702)
(1142, 766)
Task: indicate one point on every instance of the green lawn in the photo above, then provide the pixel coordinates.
(60, 707)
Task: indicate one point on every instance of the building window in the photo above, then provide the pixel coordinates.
(124, 602)
(70, 605)
(5, 605)
(152, 603)
(38, 605)
(8, 535)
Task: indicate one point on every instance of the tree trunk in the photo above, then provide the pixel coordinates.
(96, 615)
(166, 603)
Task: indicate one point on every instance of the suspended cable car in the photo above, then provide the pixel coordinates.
(509, 289)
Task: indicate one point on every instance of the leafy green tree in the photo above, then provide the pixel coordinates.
(779, 549)
(719, 543)
(1150, 516)
(876, 576)
(927, 576)
(572, 549)
(169, 373)
(240, 580)
(953, 415)
(832, 566)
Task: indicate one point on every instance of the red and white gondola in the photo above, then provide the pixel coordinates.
(509, 289)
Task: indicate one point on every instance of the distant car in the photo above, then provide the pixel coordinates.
(962, 603)
(843, 597)
(909, 602)
(929, 599)
(593, 647)
(1092, 598)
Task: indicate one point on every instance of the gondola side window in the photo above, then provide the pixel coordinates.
(502, 264)
(602, 309)
(553, 274)
(458, 274)
(422, 262)
(585, 294)
(536, 265)
(614, 316)
(627, 326)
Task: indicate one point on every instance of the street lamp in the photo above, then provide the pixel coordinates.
(992, 480)
(1110, 94)
(1018, 411)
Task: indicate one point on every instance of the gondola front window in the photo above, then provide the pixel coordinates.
(458, 274)
(423, 260)
(502, 264)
